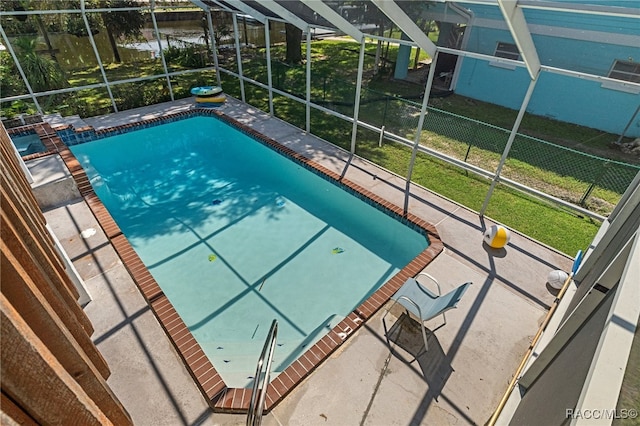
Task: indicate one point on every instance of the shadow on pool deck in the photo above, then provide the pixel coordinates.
(370, 380)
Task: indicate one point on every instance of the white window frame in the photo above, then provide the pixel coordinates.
(506, 51)
(629, 85)
(634, 76)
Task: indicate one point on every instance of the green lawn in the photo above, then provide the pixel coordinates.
(333, 67)
(556, 227)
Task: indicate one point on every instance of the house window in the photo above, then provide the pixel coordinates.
(507, 50)
(625, 70)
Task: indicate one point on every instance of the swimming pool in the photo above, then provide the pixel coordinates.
(237, 235)
(157, 191)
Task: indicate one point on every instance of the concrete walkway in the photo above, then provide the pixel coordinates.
(373, 379)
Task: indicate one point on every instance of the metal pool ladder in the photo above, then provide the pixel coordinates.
(261, 378)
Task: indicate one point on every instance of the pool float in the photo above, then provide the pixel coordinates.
(216, 99)
(206, 90)
(212, 257)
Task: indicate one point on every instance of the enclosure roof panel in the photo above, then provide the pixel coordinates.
(407, 25)
(593, 32)
(305, 13)
(237, 6)
(242, 8)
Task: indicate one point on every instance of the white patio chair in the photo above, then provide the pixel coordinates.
(424, 304)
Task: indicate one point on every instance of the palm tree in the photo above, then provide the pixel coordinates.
(42, 72)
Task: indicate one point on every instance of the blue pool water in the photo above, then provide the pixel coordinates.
(236, 235)
(28, 144)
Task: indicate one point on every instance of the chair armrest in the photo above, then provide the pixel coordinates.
(425, 287)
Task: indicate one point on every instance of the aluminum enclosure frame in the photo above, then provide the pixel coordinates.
(512, 12)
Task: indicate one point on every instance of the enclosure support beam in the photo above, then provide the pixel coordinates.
(20, 70)
(214, 47)
(308, 94)
(200, 4)
(625, 223)
(267, 42)
(284, 13)
(633, 117)
(247, 10)
(416, 144)
(164, 62)
(397, 15)
(616, 341)
(335, 18)
(512, 136)
(610, 274)
(238, 57)
(514, 17)
(356, 106)
(95, 51)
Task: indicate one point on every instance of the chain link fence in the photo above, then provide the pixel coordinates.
(589, 181)
(582, 179)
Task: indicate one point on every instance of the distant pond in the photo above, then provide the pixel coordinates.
(75, 52)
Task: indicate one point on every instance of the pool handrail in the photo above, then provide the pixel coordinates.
(254, 416)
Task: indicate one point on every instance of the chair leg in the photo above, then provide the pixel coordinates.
(384, 324)
(424, 336)
(423, 329)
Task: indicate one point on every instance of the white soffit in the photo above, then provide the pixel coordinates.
(631, 11)
(397, 15)
(334, 17)
(514, 18)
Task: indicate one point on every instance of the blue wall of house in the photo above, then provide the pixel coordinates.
(564, 98)
(555, 96)
(402, 61)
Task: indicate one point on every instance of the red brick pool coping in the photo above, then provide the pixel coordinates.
(220, 397)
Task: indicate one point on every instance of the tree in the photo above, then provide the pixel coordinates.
(43, 73)
(123, 23)
(23, 24)
(10, 81)
(293, 37)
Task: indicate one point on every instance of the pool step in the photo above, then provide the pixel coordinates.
(240, 380)
(236, 361)
(57, 120)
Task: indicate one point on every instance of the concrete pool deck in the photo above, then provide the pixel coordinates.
(368, 380)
